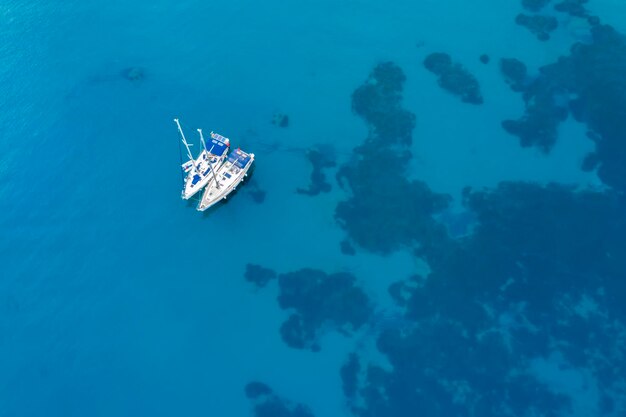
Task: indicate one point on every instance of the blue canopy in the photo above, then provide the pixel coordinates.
(239, 158)
(216, 147)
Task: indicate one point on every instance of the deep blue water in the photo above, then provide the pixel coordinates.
(117, 298)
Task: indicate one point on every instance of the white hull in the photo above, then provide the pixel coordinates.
(229, 175)
(198, 178)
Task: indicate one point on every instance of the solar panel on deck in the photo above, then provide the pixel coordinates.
(239, 158)
(216, 147)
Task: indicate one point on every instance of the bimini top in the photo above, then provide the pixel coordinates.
(217, 147)
(239, 158)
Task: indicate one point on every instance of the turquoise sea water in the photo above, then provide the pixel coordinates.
(119, 299)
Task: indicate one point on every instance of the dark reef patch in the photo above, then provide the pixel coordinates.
(257, 389)
(320, 157)
(319, 301)
(454, 78)
(534, 5)
(594, 75)
(259, 275)
(388, 212)
(385, 210)
(280, 120)
(511, 291)
(437, 371)
(349, 375)
(539, 25)
(484, 58)
(267, 404)
(526, 232)
(573, 7)
(515, 73)
(540, 122)
(347, 248)
(590, 83)
(378, 102)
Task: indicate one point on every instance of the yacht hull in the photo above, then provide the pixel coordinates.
(228, 182)
(197, 179)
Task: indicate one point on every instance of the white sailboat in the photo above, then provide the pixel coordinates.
(229, 175)
(202, 169)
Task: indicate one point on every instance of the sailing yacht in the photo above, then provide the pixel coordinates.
(202, 169)
(229, 175)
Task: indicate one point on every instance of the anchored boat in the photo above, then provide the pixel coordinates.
(229, 175)
(201, 170)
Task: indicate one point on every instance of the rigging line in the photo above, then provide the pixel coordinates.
(180, 156)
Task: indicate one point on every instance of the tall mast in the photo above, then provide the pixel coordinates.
(217, 184)
(202, 140)
(182, 135)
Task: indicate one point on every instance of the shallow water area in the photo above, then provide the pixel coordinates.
(117, 297)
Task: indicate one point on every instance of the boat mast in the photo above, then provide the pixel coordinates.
(210, 164)
(182, 135)
(202, 140)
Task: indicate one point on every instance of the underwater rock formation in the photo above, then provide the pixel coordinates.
(543, 115)
(572, 7)
(388, 212)
(280, 120)
(347, 248)
(513, 222)
(320, 300)
(538, 25)
(454, 78)
(317, 302)
(542, 271)
(385, 211)
(484, 58)
(321, 157)
(534, 5)
(590, 83)
(267, 404)
(594, 75)
(349, 376)
(378, 102)
(257, 389)
(515, 73)
(437, 371)
(259, 275)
